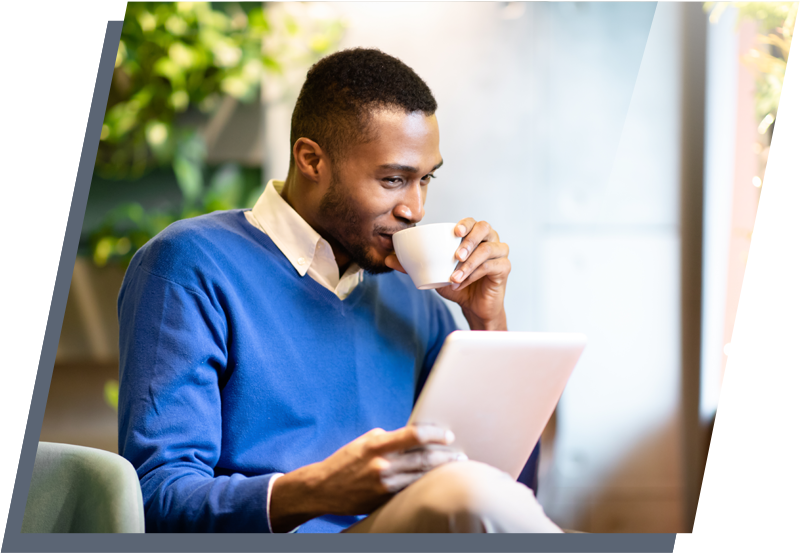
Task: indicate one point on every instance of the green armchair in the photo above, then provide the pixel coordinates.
(80, 489)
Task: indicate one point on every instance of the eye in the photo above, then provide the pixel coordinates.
(394, 181)
(429, 177)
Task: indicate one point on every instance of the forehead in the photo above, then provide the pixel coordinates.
(400, 138)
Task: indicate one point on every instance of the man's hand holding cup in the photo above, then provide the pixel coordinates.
(476, 259)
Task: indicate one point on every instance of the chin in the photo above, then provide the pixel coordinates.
(374, 265)
(375, 269)
(369, 256)
(372, 262)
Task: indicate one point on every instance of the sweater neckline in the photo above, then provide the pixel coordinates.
(306, 281)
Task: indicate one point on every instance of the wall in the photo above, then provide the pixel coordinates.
(559, 125)
(611, 260)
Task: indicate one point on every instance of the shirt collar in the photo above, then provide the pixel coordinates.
(295, 238)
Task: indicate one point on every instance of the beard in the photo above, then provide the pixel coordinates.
(343, 223)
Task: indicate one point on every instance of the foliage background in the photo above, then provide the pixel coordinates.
(177, 64)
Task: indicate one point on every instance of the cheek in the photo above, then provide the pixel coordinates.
(372, 207)
(365, 218)
(380, 207)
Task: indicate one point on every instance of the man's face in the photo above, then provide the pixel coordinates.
(379, 188)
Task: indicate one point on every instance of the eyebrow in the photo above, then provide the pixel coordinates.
(409, 169)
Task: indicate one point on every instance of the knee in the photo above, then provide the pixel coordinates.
(466, 485)
(467, 496)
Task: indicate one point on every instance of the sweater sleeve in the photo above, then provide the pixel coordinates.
(172, 359)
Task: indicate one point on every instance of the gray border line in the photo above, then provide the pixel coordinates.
(66, 265)
(345, 543)
(14, 542)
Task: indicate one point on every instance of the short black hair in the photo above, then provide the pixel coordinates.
(344, 88)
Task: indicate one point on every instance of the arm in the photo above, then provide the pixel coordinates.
(172, 358)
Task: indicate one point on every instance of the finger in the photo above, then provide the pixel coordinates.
(421, 460)
(497, 270)
(373, 433)
(397, 482)
(409, 437)
(480, 232)
(484, 252)
(393, 262)
(430, 434)
(464, 226)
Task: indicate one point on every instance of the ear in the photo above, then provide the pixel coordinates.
(309, 159)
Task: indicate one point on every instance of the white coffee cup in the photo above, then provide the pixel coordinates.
(428, 253)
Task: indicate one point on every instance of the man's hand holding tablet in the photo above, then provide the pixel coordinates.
(360, 476)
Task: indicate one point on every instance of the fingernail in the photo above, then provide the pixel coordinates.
(462, 229)
(449, 437)
(428, 433)
(462, 253)
(458, 275)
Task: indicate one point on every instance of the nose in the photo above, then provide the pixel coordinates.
(411, 207)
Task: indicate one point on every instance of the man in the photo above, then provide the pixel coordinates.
(263, 353)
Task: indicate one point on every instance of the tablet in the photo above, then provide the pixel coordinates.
(496, 390)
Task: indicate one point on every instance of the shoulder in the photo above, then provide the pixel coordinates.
(200, 245)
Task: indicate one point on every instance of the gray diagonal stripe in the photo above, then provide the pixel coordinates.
(66, 264)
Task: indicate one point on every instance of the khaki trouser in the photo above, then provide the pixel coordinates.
(460, 497)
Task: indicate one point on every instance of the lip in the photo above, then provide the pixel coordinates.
(386, 241)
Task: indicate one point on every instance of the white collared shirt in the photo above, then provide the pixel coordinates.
(305, 249)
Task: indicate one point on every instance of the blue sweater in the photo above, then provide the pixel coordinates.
(234, 367)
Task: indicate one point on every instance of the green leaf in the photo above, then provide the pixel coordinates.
(111, 393)
(257, 21)
(168, 68)
(226, 188)
(190, 178)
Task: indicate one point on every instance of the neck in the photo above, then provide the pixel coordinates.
(301, 194)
